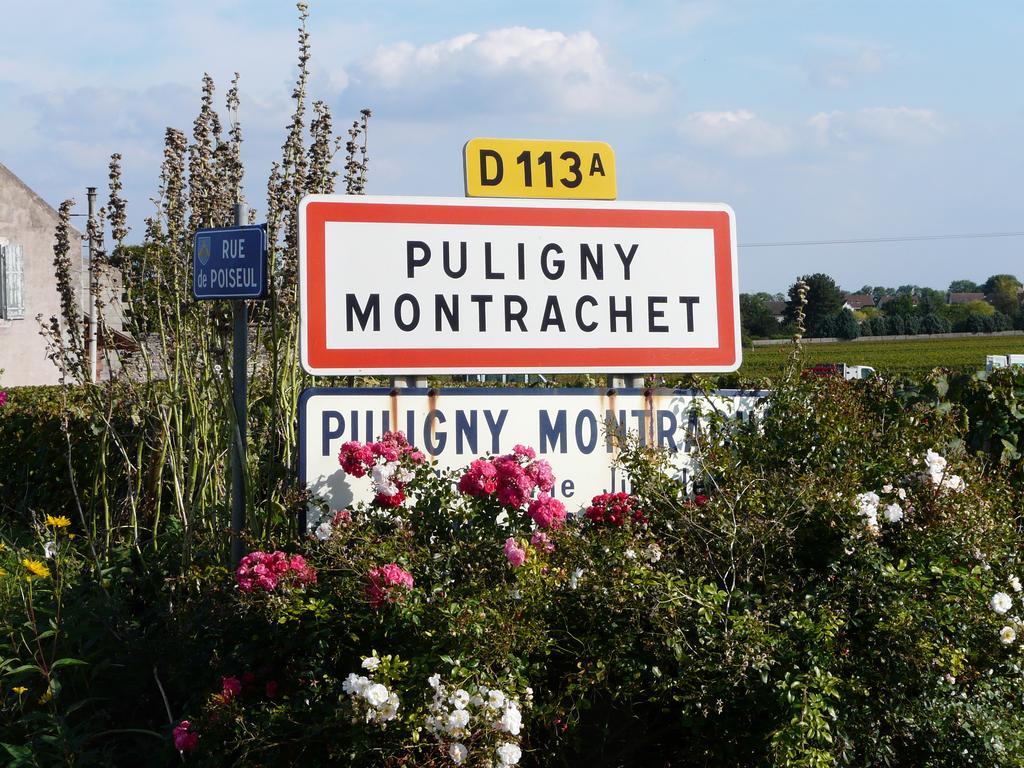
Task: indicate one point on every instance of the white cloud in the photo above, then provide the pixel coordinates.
(514, 69)
(737, 132)
(904, 125)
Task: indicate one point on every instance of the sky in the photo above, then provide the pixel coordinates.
(814, 119)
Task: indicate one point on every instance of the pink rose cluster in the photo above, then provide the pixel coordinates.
(513, 477)
(230, 687)
(388, 584)
(514, 553)
(547, 511)
(541, 542)
(185, 739)
(3, 398)
(614, 509)
(266, 570)
(341, 517)
(358, 458)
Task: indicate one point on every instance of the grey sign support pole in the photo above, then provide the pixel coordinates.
(239, 387)
(618, 381)
(403, 382)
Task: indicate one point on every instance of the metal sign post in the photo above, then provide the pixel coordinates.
(231, 263)
(240, 397)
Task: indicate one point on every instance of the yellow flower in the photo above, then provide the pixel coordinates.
(46, 696)
(36, 567)
(19, 689)
(58, 522)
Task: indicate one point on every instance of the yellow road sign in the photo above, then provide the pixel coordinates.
(578, 170)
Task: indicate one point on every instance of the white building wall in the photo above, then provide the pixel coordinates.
(27, 220)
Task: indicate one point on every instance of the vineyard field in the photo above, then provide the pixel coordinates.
(912, 357)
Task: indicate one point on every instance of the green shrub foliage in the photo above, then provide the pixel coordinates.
(823, 595)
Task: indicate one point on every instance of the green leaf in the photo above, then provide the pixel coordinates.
(18, 751)
(25, 668)
(67, 662)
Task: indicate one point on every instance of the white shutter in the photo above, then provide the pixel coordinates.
(14, 293)
(3, 280)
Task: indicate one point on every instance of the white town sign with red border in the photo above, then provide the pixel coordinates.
(401, 285)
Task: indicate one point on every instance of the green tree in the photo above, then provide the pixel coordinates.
(1004, 293)
(935, 323)
(755, 315)
(845, 325)
(824, 299)
(963, 286)
(957, 314)
(901, 306)
(930, 301)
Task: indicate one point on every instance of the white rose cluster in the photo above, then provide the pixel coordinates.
(373, 702)
(869, 505)
(489, 718)
(385, 477)
(935, 473)
(1001, 603)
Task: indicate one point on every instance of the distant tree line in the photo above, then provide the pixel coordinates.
(906, 310)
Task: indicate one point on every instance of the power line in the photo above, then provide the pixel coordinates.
(896, 239)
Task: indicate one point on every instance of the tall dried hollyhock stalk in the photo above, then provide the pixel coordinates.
(322, 148)
(356, 159)
(202, 177)
(173, 205)
(64, 338)
(97, 258)
(118, 208)
(796, 355)
(228, 159)
(290, 184)
(801, 307)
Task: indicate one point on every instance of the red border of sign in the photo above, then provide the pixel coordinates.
(319, 359)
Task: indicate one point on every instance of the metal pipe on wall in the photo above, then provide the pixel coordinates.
(91, 282)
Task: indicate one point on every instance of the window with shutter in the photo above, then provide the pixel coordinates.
(15, 289)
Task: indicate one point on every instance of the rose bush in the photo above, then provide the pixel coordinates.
(837, 588)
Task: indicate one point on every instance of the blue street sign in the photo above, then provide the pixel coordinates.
(229, 263)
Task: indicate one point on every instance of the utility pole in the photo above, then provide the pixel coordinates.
(91, 281)
(239, 382)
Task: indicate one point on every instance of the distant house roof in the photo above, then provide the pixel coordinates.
(860, 300)
(963, 298)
